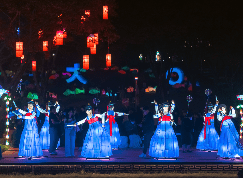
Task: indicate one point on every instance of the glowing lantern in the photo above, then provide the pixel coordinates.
(64, 34)
(40, 33)
(19, 49)
(82, 19)
(87, 13)
(90, 42)
(108, 60)
(86, 62)
(96, 38)
(130, 89)
(45, 45)
(105, 12)
(33, 66)
(59, 38)
(93, 49)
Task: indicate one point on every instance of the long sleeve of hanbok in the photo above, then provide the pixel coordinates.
(120, 114)
(232, 113)
(156, 108)
(172, 108)
(57, 108)
(40, 109)
(81, 122)
(102, 116)
(214, 109)
(220, 116)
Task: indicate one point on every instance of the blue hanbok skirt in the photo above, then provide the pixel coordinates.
(45, 135)
(164, 142)
(115, 139)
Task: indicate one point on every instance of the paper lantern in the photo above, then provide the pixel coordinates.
(130, 89)
(82, 19)
(96, 38)
(19, 49)
(86, 62)
(108, 60)
(105, 12)
(59, 38)
(90, 42)
(45, 45)
(33, 66)
(93, 49)
(64, 34)
(87, 13)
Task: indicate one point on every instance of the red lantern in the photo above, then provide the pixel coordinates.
(105, 12)
(87, 12)
(96, 38)
(93, 49)
(59, 38)
(90, 42)
(64, 34)
(45, 45)
(86, 62)
(33, 66)
(19, 49)
(108, 60)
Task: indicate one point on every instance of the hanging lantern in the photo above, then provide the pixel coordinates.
(82, 19)
(33, 66)
(108, 60)
(105, 12)
(93, 49)
(87, 13)
(59, 38)
(64, 34)
(96, 38)
(19, 49)
(45, 45)
(90, 42)
(86, 62)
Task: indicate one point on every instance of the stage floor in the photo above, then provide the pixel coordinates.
(121, 160)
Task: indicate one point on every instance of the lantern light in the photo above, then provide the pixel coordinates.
(33, 66)
(19, 49)
(87, 13)
(108, 60)
(86, 62)
(96, 38)
(59, 37)
(45, 45)
(93, 49)
(105, 12)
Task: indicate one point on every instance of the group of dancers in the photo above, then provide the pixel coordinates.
(103, 133)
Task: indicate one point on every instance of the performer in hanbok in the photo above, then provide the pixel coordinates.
(229, 145)
(30, 141)
(112, 126)
(164, 142)
(97, 140)
(44, 133)
(209, 138)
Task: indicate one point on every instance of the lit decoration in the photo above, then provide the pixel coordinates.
(86, 62)
(141, 57)
(59, 37)
(68, 74)
(52, 95)
(22, 58)
(19, 86)
(53, 77)
(103, 92)
(105, 12)
(3, 91)
(82, 19)
(151, 75)
(136, 70)
(75, 92)
(150, 89)
(45, 45)
(130, 89)
(93, 49)
(125, 68)
(96, 38)
(157, 56)
(96, 101)
(76, 75)
(7, 99)
(87, 13)
(108, 60)
(19, 49)
(189, 99)
(109, 93)
(240, 97)
(180, 76)
(94, 91)
(64, 34)
(32, 96)
(122, 72)
(33, 66)
(208, 92)
(40, 33)
(90, 42)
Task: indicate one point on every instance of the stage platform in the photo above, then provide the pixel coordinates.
(122, 160)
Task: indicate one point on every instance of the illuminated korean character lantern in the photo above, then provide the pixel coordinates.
(19, 49)
(108, 60)
(33, 66)
(93, 49)
(45, 45)
(105, 12)
(86, 62)
(87, 13)
(96, 38)
(59, 38)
